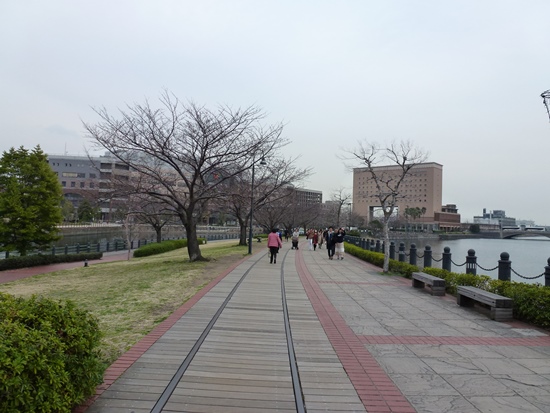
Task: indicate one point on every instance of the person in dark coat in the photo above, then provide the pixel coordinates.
(329, 238)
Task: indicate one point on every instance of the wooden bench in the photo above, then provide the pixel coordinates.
(421, 279)
(501, 307)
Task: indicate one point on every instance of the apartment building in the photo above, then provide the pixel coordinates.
(308, 197)
(90, 178)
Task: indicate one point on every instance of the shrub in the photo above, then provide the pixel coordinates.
(377, 258)
(403, 268)
(39, 259)
(160, 247)
(164, 246)
(49, 359)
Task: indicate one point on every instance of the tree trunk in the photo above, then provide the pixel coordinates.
(193, 248)
(386, 266)
(243, 234)
(158, 231)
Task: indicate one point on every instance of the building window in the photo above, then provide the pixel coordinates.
(73, 184)
(82, 184)
(91, 184)
(93, 176)
(63, 184)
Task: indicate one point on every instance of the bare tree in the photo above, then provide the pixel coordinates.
(307, 216)
(405, 156)
(273, 187)
(340, 197)
(183, 154)
(153, 212)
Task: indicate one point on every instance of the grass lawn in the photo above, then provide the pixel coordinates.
(129, 298)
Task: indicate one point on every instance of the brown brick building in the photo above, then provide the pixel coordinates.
(422, 188)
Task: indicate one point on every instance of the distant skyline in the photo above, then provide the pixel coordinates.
(460, 79)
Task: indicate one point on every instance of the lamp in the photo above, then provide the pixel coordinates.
(262, 162)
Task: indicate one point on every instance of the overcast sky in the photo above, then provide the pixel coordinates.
(461, 79)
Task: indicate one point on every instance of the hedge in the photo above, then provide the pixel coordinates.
(49, 357)
(377, 258)
(36, 260)
(164, 246)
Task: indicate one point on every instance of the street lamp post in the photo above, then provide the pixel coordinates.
(349, 216)
(546, 101)
(262, 162)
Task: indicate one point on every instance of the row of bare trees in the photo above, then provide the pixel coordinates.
(184, 159)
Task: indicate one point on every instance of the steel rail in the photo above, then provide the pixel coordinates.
(171, 386)
(296, 382)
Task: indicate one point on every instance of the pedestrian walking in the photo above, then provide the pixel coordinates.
(315, 239)
(295, 238)
(321, 238)
(339, 243)
(273, 243)
(309, 236)
(329, 239)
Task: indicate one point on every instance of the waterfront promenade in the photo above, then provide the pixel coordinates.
(361, 341)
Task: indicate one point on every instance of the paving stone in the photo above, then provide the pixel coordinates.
(509, 404)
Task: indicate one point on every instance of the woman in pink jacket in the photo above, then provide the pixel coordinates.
(273, 243)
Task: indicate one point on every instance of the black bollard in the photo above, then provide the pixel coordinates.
(412, 256)
(377, 248)
(547, 274)
(401, 252)
(471, 262)
(427, 256)
(447, 260)
(392, 250)
(504, 267)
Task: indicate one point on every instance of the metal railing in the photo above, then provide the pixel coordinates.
(504, 265)
(112, 246)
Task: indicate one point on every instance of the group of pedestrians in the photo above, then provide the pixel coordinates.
(334, 241)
